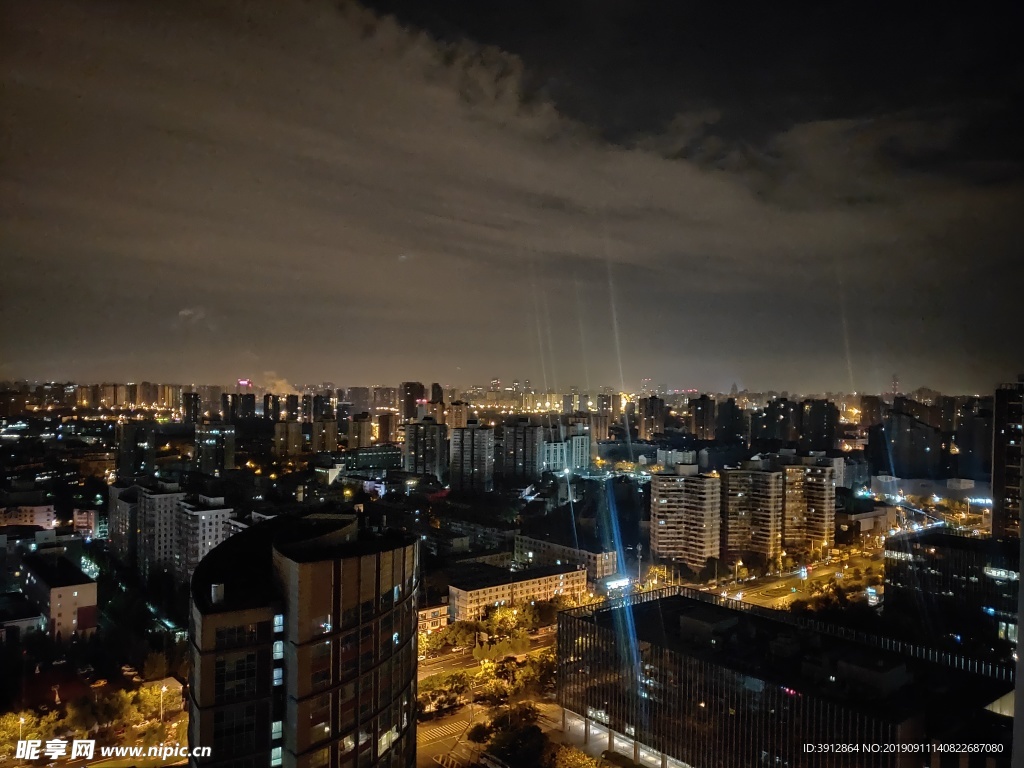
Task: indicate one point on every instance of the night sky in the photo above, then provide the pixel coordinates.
(580, 193)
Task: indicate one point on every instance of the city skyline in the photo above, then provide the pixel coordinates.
(592, 194)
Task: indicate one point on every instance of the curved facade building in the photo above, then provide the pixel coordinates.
(303, 643)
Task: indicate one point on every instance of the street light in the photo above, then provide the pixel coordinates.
(163, 690)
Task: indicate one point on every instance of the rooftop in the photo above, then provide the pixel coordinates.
(54, 570)
(15, 606)
(482, 576)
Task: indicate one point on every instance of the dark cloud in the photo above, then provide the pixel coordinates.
(323, 191)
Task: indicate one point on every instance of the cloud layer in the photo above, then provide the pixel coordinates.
(197, 191)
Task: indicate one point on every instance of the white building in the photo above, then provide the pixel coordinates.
(64, 595)
(471, 596)
(556, 456)
(532, 551)
(158, 505)
(200, 525)
(686, 517)
(579, 452)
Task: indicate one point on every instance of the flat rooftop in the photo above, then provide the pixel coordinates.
(55, 570)
(482, 576)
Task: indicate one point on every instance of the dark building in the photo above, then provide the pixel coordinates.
(191, 407)
(779, 422)
(247, 406)
(302, 634)
(650, 417)
(955, 586)
(730, 423)
(136, 448)
(215, 448)
(306, 413)
(436, 393)
(360, 399)
(322, 408)
(927, 414)
(291, 407)
(819, 425)
(425, 451)
(411, 394)
(904, 447)
(691, 677)
(872, 410)
(702, 417)
(522, 451)
(230, 406)
(973, 439)
(272, 407)
(1007, 436)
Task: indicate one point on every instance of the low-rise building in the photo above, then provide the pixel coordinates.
(433, 618)
(536, 550)
(472, 593)
(64, 595)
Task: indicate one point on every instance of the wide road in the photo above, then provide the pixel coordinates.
(777, 591)
(463, 661)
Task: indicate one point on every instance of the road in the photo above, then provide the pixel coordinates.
(464, 661)
(778, 592)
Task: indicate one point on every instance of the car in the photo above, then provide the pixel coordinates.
(86, 670)
(457, 649)
(58, 662)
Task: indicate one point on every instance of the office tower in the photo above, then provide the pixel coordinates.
(691, 679)
(522, 451)
(360, 399)
(158, 504)
(272, 407)
(306, 413)
(215, 448)
(230, 405)
(411, 394)
(247, 406)
(322, 408)
(191, 407)
(650, 417)
(436, 393)
(458, 415)
(702, 417)
(686, 517)
(324, 436)
(872, 410)
(752, 513)
(425, 451)
(200, 524)
(472, 458)
(291, 407)
(360, 431)
(1007, 437)
(303, 645)
(387, 427)
(136, 448)
(809, 517)
(730, 424)
(288, 440)
(950, 584)
(819, 425)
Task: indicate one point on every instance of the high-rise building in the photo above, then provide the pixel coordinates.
(778, 422)
(1007, 438)
(730, 424)
(360, 431)
(686, 517)
(472, 458)
(360, 399)
(158, 506)
(123, 522)
(425, 451)
(324, 436)
(200, 524)
(702, 417)
(819, 425)
(272, 407)
(288, 440)
(383, 399)
(436, 393)
(136, 448)
(303, 644)
(322, 408)
(291, 407)
(650, 417)
(522, 451)
(578, 451)
(215, 448)
(458, 414)
(412, 393)
(191, 407)
(387, 427)
(230, 407)
(905, 447)
(306, 414)
(872, 410)
(809, 517)
(752, 509)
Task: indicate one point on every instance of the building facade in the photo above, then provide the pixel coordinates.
(470, 597)
(752, 510)
(532, 551)
(303, 643)
(472, 458)
(1007, 439)
(686, 517)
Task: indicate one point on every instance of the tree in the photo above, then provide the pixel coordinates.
(502, 621)
(479, 733)
(567, 756)
(520, 746)
(155, 667)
